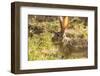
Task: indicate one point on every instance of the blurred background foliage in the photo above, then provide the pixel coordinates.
(45, 42)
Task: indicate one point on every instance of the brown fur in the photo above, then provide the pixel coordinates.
(64, 21)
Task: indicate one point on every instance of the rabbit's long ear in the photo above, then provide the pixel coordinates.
(65, 22)
(61, 19)
(61, 22)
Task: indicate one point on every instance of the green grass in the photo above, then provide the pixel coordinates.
(41, 46)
